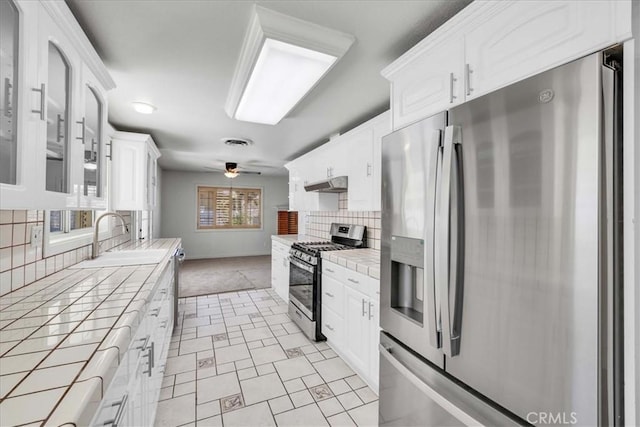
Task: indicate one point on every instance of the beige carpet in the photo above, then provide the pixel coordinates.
(212, 276)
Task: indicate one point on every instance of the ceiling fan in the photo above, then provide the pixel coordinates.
(231, 170)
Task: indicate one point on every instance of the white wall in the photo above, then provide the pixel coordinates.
(178, 201)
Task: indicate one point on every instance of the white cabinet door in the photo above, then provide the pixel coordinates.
(359, 148)
(432, 83)
(128, 175)
(133, 171)
(374, 340)
(525, 38)
(280, 269)
(60, 153)
(357, 329)
(92, 124)
(381, 128)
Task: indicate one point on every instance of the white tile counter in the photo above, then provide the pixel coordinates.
(61, 338)
(365, 261)
(289, 239)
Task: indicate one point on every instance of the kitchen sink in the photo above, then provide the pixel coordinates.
(122, 258)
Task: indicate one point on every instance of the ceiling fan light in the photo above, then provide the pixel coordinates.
(91, 166)
(143, 107)
(230, 174)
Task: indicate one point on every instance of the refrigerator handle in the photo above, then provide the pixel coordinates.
(387, 353)
(447, 241)
(431, 299)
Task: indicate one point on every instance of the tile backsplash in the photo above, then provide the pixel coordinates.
(21, 264)
(318, 224)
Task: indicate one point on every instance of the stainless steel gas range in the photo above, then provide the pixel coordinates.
(305, 284)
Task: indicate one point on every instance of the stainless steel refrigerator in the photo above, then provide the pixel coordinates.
(500, 257)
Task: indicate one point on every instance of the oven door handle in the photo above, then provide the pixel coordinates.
(298, 264)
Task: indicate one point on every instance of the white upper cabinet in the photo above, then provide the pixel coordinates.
(433, 83)
(363, 147)
(302, 171)
(491, 44)
(134, 169)
(44, 102)
(521, 39)
(355, 154)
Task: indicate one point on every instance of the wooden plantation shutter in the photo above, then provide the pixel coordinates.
(221, 207)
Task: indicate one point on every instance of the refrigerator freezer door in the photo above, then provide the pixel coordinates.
(530, 157)
(408, 306)
(413, 393)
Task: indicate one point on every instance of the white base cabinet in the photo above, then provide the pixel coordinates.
(280, 269)
(350, 318)
(132, 396)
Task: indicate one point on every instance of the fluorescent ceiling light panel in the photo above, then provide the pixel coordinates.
(282, 59)
(282, 76)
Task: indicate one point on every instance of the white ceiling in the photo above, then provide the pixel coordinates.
(180, 55)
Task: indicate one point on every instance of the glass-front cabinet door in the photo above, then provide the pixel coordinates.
(9, 37)
(91, 134)
(91, 125)
(57, 106)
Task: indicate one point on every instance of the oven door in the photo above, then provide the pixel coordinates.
(302, 281)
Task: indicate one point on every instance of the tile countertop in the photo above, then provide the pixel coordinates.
(365, 261)
(61, 338)
(289, 239)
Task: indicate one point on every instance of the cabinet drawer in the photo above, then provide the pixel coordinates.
(333, 294)
(332, 326)
(330, 269)
(361, 283)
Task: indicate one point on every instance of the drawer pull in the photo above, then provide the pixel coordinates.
(155, 312)
(329, 294)
(144, 343)
(363, 303)
(329, 270)
(329, 327)
(353, 280)
(121, 405)
(370, 311)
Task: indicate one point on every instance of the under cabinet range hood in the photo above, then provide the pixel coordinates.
(337, 184)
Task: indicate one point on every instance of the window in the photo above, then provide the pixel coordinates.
(229, 208)
(67, 230)
(68, 221)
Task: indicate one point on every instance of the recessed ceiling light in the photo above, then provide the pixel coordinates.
(143, 107)
(282, 59)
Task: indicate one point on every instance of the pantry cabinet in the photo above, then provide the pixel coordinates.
(350, 318)
(134, 170)
(280, 269)
(491, 44)
(45, 64)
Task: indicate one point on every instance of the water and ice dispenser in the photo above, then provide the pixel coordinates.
(407, 277)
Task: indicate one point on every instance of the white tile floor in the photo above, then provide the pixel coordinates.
(236, 359)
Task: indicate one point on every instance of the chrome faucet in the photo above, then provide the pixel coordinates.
(95, 249)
